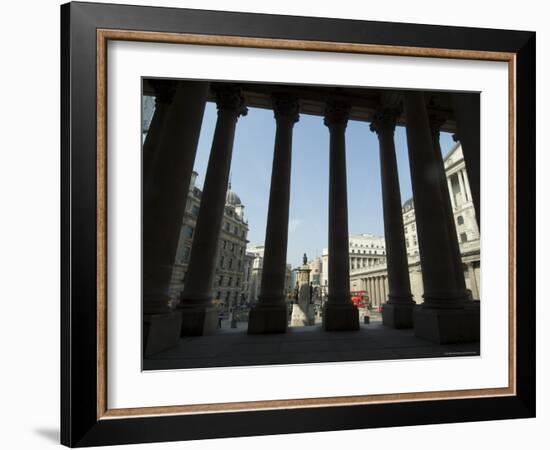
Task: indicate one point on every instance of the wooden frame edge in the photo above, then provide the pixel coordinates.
(104, 35)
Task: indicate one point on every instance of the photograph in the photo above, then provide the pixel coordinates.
(271, 224)
(301, 224)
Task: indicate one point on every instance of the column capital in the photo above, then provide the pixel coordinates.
(336, 113)
(384, 120)
(286, 107)
(437, 119)
(164, 91)
(230, 98)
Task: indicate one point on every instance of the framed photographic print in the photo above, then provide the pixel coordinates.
(273, 224)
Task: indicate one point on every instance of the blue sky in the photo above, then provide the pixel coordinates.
(308, 225)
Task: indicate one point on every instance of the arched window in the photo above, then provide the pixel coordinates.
(460, 220)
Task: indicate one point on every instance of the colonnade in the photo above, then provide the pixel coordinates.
(377, 287)
(444, 288)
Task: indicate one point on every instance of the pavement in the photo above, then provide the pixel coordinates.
(299, 345)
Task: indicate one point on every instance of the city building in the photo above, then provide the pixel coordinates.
(256, 255)
(365, 251)
(375, 280)
(316, 274)
(229, 285)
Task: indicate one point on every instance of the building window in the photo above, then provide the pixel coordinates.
(460, 220)
(188, 231)
(463, 237)
(229, 282)
(219, 295)
(231, 263)
(195, 210)
(221, 262)
(186, 253)
(407, 243)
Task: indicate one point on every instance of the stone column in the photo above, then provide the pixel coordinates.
(442, 316)
(369, 290)
(164, 94)
(451, 193)
(164, 197)
(339, 312)
(398, 310)
(270, 315)
(467, 115)
(435, 124)
(199, 316)
(473, 281)
(466, 184)
(462, 188)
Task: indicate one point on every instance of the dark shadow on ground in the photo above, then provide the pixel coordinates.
(372, 342)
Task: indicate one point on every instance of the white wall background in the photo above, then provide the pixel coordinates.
(29, 228)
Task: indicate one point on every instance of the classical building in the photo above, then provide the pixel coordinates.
(248, 278)
(230, 284)
(365, 251)
(447, 313)
(256, 255)
(467, 230)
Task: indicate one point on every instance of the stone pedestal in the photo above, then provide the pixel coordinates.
(160, 332)
(199, 321)
(397, 315)
(447, 326)
(340, 317)
(268, 319)
(302, 317)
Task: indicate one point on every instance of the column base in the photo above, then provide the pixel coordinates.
(268, 319)
(340, 317)
(398, 315)
(160, 332)
(447, 326)
(199, 321)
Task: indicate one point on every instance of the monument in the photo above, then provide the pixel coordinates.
(303, 313)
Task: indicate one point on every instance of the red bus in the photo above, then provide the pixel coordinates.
(360, 298)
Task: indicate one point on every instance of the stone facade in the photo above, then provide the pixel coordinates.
(255, 255)
(232, 264)
(365, 251)
(467, 234)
